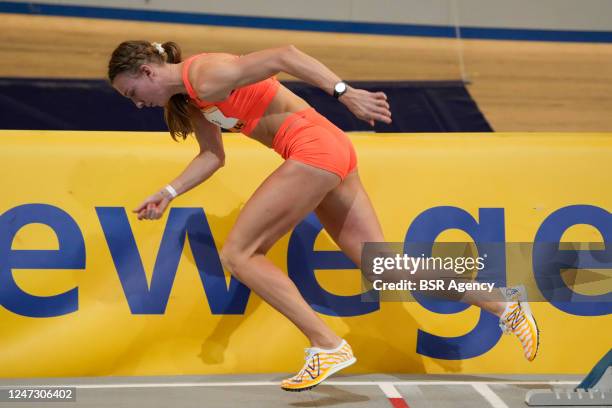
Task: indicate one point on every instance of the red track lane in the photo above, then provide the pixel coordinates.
(398, 403)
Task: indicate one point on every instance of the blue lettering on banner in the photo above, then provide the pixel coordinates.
(487, 234)
(70, 255)
(182, 222)
(302, 261)
(549, 260)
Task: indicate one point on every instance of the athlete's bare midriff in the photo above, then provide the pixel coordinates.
(284, 104)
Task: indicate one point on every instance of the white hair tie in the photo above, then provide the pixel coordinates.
(159, 48)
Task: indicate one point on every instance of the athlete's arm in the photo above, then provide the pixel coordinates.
(220, 76)
(210, 158)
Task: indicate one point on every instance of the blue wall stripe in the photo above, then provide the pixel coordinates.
(307, 25)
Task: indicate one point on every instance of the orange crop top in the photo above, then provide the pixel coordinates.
(242, 109)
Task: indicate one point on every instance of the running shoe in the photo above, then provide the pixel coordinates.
(320, 364)
(517, 319)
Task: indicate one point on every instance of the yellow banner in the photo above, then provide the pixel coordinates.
(86, 289)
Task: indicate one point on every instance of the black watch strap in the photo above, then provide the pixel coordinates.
(340, 89)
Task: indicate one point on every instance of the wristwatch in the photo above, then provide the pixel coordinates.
(339, 89)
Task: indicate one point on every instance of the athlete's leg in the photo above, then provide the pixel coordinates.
(284, 198)
(348, 216)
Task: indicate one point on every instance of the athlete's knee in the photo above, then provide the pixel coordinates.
(233, 260)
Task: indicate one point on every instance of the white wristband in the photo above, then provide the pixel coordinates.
(171, 190)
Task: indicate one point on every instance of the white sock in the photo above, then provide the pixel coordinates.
(342, 343)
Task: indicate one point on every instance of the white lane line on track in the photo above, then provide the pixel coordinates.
(389, 390)
(274, 383)
(489, 395)
(395, 398)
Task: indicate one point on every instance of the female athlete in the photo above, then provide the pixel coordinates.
(210, 91)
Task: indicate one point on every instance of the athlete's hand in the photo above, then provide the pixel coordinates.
(367, 106)
(153, 207)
